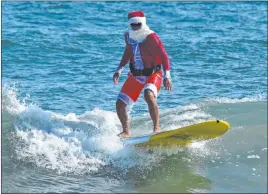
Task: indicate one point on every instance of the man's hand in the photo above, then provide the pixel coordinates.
(116, 77)
(167, 83)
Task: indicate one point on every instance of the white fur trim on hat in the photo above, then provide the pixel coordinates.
(135, 20)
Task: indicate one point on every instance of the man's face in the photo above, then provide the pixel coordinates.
(135, 26)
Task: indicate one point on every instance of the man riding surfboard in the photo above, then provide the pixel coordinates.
(148, 64)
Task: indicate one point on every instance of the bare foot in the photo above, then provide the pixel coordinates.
(157, 130)
(124, 134)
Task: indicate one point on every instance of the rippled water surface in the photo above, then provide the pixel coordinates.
(59, 123)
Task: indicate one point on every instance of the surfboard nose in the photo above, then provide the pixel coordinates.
(226, 124)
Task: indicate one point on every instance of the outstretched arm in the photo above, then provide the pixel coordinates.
(159, 49)
(124, 60)
(126, 56)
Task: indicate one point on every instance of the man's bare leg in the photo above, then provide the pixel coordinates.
(153, 109)
(123, 117)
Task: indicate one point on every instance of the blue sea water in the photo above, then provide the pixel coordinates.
(59, 123)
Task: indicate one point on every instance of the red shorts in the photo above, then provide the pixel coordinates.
(133, 86)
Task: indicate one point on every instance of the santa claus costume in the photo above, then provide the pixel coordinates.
(147, 58)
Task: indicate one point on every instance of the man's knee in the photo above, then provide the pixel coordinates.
(149, 96)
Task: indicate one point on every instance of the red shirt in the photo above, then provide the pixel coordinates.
(152, 53)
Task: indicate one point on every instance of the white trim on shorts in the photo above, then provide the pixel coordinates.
(151, 87)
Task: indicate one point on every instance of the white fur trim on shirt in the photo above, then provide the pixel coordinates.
(119, 70)
(167, 74)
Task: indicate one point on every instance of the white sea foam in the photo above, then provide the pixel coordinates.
(71, 143)
(10, 100)
(254, 156)
(256, 98)
(87, 142)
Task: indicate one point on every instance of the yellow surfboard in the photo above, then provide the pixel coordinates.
(182, 136)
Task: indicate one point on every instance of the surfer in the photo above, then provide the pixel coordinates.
(146, 55)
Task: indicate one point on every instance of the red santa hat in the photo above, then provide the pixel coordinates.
(136, 17)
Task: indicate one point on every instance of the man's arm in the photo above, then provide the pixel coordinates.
(159, 49)
(125, 58)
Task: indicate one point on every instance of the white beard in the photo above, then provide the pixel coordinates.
(141, 34)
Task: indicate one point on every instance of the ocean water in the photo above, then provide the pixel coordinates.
(59, 123)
